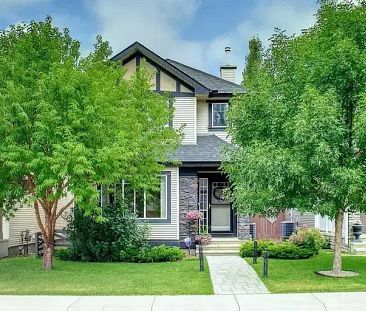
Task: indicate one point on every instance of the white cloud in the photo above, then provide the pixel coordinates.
(11, 6)
(156, 24)
(292, 16)
(159, 25)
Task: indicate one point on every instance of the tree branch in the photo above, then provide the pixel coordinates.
(39, 221)
(64, 208)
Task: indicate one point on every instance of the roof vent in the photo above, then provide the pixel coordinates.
(227, 72)
(227, 51)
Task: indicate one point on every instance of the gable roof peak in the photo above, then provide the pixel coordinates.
(202, 82)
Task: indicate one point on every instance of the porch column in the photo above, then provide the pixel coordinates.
(188, 201)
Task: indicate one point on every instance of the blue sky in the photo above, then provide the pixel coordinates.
(191, 31)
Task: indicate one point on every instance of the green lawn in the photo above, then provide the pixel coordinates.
(24, 276)
(295, 276)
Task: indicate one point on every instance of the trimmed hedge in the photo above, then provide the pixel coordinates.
(280, 250)
(304, 243)
(159, 253)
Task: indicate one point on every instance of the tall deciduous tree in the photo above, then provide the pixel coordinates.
(69, 123)
(300, 127)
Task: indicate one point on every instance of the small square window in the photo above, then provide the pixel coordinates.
(218, 114)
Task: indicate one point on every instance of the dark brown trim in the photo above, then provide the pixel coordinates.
(176, 94)
(158, 79)
(138, 60)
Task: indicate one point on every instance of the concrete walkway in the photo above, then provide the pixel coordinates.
(255, 302)
(233, 275)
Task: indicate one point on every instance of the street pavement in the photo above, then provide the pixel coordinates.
(249, 302)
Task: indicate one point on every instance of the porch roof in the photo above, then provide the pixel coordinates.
(207, 150)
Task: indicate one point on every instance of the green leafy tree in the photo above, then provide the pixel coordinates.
(68, 123)
(300, 127)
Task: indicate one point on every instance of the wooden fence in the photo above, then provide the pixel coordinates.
(60, 240)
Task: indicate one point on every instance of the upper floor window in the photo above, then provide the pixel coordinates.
(218, 115)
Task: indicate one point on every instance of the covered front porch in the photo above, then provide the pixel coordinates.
(201, 188)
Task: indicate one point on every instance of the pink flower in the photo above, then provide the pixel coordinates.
(203, 238)
(193, 215)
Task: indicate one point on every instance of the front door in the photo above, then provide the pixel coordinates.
(220, 209)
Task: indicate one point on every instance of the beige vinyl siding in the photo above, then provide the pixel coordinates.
(167, 83)
(25, 218)
(152, 70)
(202, 122)
(130, 68)
(202, 117)
(185, 89)
(185, 115)
(228, 74)
(305, 219)
(168, 231)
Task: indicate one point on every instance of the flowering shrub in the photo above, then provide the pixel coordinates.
(193, 215)
(309, 238)
(203, 238)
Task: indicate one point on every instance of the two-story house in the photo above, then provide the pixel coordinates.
(194, 181)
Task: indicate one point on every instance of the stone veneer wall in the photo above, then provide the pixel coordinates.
(188, 201)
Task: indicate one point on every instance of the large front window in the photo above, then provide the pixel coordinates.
(218, 114)
(147, 204)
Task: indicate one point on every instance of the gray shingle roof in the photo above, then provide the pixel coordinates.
(207, 149)
(211, 82)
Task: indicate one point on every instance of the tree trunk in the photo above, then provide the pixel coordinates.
(49, 244)
(337, 257)
(48, 256)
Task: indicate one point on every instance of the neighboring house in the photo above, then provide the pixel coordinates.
(14, 230)
(327, 226)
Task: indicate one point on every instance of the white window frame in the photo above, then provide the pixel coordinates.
(212, 115)
(134, 199)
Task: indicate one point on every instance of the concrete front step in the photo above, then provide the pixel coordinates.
(222, 246)
(216, 245)
(220, 252)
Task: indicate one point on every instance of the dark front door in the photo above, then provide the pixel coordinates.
(221, 215)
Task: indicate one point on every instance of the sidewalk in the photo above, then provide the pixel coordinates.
(254, 302)
(233, 275)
